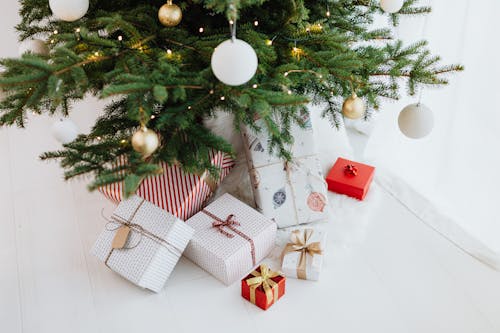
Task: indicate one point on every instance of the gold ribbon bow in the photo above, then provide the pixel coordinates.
(264, 279)
(300, 243)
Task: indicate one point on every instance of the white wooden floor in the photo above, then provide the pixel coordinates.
(397, 276)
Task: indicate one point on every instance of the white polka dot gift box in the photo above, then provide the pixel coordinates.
(142, 243)
(293, 192)
(230, 239)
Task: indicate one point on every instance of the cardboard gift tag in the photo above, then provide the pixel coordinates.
(121, 237)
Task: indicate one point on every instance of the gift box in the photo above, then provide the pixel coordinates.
(182, 194)
(263, 287)
(142, 243)
(350, 178)
(289, 192)
(230, 238)
(302, 258)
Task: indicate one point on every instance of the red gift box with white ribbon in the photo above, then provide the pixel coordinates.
(350, 178)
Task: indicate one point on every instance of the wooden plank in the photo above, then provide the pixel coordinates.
(10, 303)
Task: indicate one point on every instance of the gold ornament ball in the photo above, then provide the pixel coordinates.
(353, 107)
(145, 141)
(170, 14)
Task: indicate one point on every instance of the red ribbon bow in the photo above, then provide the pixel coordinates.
(230, 222)
(350, 170)
(220, 224)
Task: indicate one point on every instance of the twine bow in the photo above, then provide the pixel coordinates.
(119, 222)
(264, 278)
(350, 170)
(300, 243)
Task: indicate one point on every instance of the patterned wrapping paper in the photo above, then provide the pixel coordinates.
(290, 193)
(226, 251)
(175, 191)
(154, 245)
(313, 263)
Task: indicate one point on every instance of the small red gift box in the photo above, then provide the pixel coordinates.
(263, 287)
(350, 178)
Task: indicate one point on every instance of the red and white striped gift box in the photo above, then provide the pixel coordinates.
(182, 194)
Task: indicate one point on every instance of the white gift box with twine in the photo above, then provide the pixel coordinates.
(302, 257)
(290, 193)
(231, 238)
(142, 243)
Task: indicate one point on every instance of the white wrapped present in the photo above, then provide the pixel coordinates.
(302, 258)
(290, 193)
(142, 243)
(230, 239)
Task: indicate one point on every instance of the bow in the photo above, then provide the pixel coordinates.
(300, 243)
(230, 222)
(350, 170)
(220, 224)
(263, 277)
(124, 227)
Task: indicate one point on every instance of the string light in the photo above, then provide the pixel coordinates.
(222, 98)
(286, 74)
(289, 92)
(190, 107)
(328, 13)
(120, 38)
(99, 138)
(256, 23)
(231, 22)
(56, 32)
(123, 141)
(201, 30)
(153, 116)
(269, 42)
(297, 52)
(169, 52)
(78, 30)
(255, 86)
(211, 92)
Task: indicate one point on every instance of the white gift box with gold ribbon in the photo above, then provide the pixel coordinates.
(142, 243)
(302, 257)
(290, 193)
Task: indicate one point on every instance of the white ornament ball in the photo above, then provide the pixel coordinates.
(234, 62)
(34, 46)
(416, 121)
(69, 10)
(391, 6)
(64, 131)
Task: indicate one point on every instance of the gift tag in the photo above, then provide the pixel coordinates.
(121, 237)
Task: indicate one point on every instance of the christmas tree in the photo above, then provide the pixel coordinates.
(155, 69)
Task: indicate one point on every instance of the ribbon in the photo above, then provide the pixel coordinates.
(300, 243)
(263, 277)
(230, 223)
(350, 170)
(134, 227)
(292, 189)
